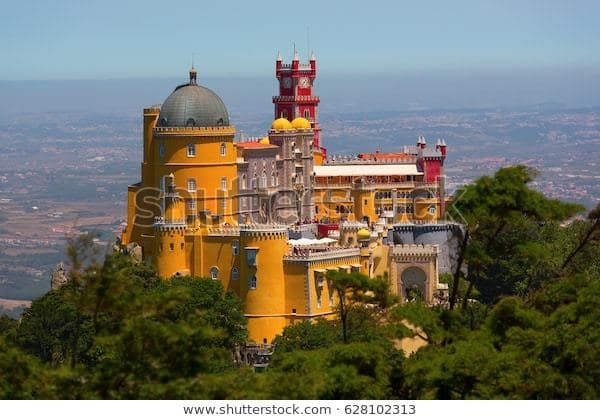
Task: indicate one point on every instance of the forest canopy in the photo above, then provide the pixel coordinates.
(523, 322)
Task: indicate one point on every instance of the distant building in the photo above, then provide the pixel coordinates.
(267, 217)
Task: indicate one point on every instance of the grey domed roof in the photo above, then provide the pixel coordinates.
(193, 105)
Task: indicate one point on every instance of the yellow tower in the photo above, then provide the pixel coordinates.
(262, 285)
(169, 234)
(188, 142)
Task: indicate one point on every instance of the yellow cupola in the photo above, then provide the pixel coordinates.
(300, 123)
(281, 124)
(363, 234)
(264, 140)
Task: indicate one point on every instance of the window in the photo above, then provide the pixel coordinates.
(224, 184)
(214, 273)
(192, 205)
(191, 150)
(223, 149)
(366, 201)
(284, 113)
(273, 179)
(319, 279)
(263, 180)
(235, 247)
(171, 246)
(319, 300)
(251, 256)
(306, 114)
(191, 185)
(161, 150)
(235, 273)
(243, 182)
(252, 282)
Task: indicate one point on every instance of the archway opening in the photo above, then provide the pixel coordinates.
(413, 283)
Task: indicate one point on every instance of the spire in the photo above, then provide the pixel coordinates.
(312, 56)
(278, 56)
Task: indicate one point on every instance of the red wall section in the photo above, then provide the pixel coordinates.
(432, 169)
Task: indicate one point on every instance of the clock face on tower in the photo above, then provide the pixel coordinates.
(287, 82)
(304, 82)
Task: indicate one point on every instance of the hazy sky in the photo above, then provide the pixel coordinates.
(42, 40)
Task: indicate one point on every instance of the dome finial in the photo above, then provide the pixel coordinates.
(193, 75)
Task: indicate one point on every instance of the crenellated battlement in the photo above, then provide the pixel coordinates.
(410, 250)
(264, 230)
(305, 255)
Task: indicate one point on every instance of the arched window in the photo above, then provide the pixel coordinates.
(263, 180)
(223, 149)
(284, 113)
(273, 179)
(191, 150)
(190, 122)
(191, 185)
(243, 182)
(235, 273)
(252, 282)
(214, 273)
(161, 150)
(306, 114)
(235, 247)
(224, 184)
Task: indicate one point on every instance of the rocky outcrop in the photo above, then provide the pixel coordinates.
(134, 251)
(59, 276)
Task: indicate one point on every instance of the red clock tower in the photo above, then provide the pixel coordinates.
(296, 98)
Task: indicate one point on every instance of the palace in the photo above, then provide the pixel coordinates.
(268, 217)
